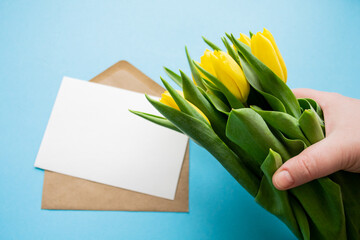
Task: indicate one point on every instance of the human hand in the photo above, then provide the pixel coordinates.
(340, 150)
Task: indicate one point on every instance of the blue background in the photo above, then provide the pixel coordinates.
(41, 41)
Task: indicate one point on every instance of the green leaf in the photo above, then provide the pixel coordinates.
(307, 103)
(293, 146)
(350, 192)
(234, 102)
(216, 118)
(310, 126)
(156, 119)
(216, 102)
(210, 85)
(304, 104)
(194, 71)
(231, 51)
(192, 94)
(257, 99)
(253, 80)
(212, 45)
(175, 77)
(322, 201)
(301, 217)
(214, 90)
(251, 34)
(247, 129)
(275, 201)
(283, 122)
(269, 81)
(184, 105)
(230, 38)
(204, 135)
(316, 107)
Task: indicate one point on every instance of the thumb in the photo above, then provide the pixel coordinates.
(318, 160)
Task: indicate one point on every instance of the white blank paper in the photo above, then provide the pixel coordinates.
(92, 135)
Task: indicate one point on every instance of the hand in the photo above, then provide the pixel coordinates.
(340, 150)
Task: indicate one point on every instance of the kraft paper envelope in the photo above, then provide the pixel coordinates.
(91, 134)
(66, 192)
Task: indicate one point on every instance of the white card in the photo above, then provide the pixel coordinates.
(92, 135)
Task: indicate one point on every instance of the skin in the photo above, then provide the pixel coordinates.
(340, 150)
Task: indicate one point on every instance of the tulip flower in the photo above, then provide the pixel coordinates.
(230, 74)
(205, 63)
(263, 47)
(169, 101)
(245, 39)
(224, 67)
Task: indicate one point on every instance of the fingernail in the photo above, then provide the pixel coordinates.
(283, 179)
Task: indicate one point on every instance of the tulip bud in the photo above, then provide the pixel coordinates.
(245, 39)
(205, 63)
(167, 99)
(230, 74)
(263, 47)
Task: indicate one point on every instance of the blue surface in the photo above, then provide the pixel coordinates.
(42, 41)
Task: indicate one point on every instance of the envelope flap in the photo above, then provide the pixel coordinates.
(135, 80)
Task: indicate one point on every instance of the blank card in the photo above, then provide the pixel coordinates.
(92, 135)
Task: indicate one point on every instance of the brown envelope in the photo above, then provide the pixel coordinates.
(66, 192)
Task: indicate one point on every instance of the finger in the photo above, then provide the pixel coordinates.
(318, 160)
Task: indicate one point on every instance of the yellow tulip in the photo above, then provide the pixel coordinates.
(263, 47)
(245, 39)
(167, 99)
(205, 63)
(230, 74)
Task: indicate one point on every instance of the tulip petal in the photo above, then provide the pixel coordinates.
(231, 75)
(269, 36)
(245, 39)
(168, 100)
(262, 48)
(205, 62)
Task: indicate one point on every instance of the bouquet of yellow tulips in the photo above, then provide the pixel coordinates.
(237, 106)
